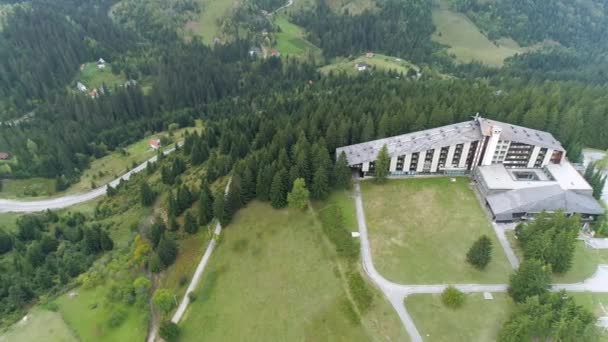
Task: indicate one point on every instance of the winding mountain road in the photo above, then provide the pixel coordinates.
(18, 206)
(396, 293)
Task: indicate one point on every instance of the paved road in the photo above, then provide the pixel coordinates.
(500, 230)
(396, 293)
(69, 200)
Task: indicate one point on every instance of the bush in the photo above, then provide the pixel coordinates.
(192, 296)
(361, 294)
(480, 253)
(168, 331)
(452, 297)
(117, 317)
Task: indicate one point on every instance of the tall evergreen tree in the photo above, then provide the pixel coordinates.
(298, 197)
(382, 164)
(342, 174)
(320, 184)
(219, 208)
(190, 225)
(147, 195)
(278, 189)
(205, 205)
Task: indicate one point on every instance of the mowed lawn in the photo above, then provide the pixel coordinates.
(467, 42)
(208, 24)
(420, 230)
(584, 263)
(380, 62)
(273, 277)
(477, 320)
(93, 77)
(41, 325)
(29, 187)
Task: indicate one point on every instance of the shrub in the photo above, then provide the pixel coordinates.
(480, 253)
(192, 296)
(452, 297)
(168, 331)
(117, 317)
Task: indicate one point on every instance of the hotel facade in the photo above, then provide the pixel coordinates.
(518, 171)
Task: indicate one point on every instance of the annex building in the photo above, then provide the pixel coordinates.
(519, 171)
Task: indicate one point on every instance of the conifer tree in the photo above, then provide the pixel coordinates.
(320, 184)
(219, 210)
(278, 189)
(233, 198)
(190, 225)
(382, 164)
(147, 194)
(205, 206)
(480, 253)
(342, 174)
(167, 250)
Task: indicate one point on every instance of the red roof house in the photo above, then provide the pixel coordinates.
(154, 144)
(4, 156)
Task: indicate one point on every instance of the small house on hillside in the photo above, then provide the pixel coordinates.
(369, 54)
(154, 144)
(275, 53)
(362, 66)
(4, 156)
(81, 87)
(101, 63)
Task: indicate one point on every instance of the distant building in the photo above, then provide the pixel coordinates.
(81, 87)
(255, 52)
(4, 156)
(275, 53)
(101, 63)
(369, 54)
(362, 66)
(154, 144)
(519, 171)
(93, 93)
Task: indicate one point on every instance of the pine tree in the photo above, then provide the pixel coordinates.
(342, 174)
(320, 184)
(190, 225)
(219, 210)
(531, 279)
(298, 197)
(247, 186)
(205, 206)
(233, 199)
(278, 189)
(167, 250)
(382, 164)
(147, 194)
(184, 199)
(480, 253)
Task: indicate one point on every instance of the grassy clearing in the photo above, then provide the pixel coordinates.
(31, 187)
(477, 320)
(41, 325)
(178, 275)
(584, 264)
(467, 43)
(421, 229)
(379, 62)
(8, 221)
(93, 77)
(344, 199)
(272, 275)
(209, 23)
(291, 40)
(87, 316)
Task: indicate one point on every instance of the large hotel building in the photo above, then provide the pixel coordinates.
(520, 171)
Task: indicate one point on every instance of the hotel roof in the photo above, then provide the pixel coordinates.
(433, 138)
(497, 177)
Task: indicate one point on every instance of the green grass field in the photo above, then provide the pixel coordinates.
(274, 276)
(291, 40)
(421, 229)
(477, 320)
(41, 325)
(466, 42)
(208, 24)
(380, 62)
(90, 323)
(584, 264)
(30, 187)
(93, 77)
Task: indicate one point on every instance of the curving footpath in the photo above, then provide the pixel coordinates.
(396, 293)
(70, 200)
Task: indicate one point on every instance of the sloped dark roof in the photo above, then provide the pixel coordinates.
(543, 198)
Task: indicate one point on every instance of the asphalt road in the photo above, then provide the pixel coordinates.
(69, 200)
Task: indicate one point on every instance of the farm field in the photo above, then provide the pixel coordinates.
(40, 325)
(93, 77)
(208, 25)
(291, 40)
(467, 43)
(477, 320)
(273, 275)
(379, 62)
(421, 229)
